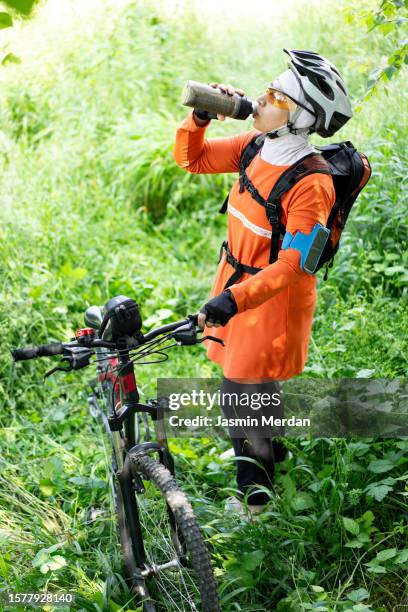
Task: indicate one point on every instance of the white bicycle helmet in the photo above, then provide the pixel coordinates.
(324, 88)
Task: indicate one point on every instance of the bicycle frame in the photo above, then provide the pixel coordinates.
(116, 376)
(117, 380)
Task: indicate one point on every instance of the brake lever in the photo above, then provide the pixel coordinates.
(57, 369)
(220, 340)
(186, 334)
(77, 357)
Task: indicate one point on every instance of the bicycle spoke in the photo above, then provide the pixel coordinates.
(175, 585)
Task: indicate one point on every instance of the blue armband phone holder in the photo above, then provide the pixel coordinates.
(311, 246)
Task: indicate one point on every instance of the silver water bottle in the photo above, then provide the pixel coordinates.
(204, 97)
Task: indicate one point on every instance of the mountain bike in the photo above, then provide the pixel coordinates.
(167, 564)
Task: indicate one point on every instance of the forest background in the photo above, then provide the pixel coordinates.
(93, 205)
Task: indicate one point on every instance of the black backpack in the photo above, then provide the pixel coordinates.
(350, 171)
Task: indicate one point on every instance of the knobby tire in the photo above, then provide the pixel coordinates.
(192, 539)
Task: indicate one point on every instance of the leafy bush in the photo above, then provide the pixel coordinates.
(94, 205)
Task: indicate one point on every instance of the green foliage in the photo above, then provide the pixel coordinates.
(24, 7)
(313, 551)
(20, 9)
(388, 21)
(93, 205)
(5, 20)
(48, 562)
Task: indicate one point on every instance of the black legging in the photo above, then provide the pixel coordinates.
(249, 442)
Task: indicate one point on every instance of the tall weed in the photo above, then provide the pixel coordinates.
(93, 205)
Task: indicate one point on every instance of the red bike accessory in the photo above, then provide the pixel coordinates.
(85, 334)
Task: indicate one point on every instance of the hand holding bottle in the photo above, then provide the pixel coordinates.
(229, 90)
(216, 100)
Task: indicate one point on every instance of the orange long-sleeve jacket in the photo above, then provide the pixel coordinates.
(269, 337)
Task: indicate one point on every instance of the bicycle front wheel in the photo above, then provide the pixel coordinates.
(176, 565)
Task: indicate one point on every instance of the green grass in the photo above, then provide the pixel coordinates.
(93, 205)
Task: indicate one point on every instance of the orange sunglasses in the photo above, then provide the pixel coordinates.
(279, 99)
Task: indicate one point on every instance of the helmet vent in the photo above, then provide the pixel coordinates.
(335, 70)
(325, 88)
(341, 86)
(305, 55)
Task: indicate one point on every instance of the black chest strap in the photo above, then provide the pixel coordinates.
(239, 267)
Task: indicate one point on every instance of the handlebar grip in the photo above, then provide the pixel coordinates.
(32, 352)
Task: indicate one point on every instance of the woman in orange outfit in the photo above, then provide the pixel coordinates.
(265, 319)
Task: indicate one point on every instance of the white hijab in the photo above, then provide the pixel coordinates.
(286, 150)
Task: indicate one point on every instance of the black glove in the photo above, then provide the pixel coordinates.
(221, 308)
(204, 115)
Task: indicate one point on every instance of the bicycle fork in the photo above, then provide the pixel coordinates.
(130, 482)
(125, 479)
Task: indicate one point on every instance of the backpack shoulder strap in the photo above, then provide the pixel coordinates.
(310, 164)
(247, 156)
(250, 151)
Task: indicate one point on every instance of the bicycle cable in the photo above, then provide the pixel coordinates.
(135, 359)
(139, 350)
(138, 353)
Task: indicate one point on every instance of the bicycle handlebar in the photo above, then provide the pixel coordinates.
(43, 350)
(164, 329)
(57, 348)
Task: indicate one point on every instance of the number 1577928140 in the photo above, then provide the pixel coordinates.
(11, 598)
